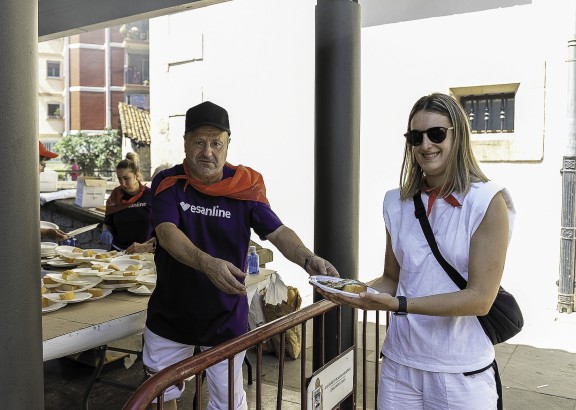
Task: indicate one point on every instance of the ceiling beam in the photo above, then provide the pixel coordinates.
(60, 18)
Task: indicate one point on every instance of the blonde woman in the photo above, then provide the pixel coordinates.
(436, 354)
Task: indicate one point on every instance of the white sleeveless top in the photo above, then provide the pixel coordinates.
(433, 343)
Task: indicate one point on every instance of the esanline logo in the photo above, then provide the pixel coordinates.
(214, 211)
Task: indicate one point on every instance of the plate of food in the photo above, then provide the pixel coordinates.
(68, 297)
(48, 305)
(127, 276)
(116, 284)
(92, 271)
(67, 277)
(343, 286)
(98, 293)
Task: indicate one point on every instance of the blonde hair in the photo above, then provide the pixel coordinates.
(131, 162)
(462, 169)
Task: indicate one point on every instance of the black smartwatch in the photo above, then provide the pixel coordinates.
(402, 305)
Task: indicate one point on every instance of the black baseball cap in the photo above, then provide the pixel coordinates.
(207, 113)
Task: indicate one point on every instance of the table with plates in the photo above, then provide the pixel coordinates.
(89, 324)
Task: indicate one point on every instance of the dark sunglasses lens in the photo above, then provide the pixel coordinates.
(414, 137)
(436, 134)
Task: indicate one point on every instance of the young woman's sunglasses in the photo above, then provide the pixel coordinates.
(435, 134)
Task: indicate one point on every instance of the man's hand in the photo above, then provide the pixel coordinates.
(319, 266)
(139, 248)
(53, 233)
(224, 275)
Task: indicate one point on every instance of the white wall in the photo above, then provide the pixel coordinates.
(258, 62)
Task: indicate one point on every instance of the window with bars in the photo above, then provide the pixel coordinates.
(490, 113)
(53, 69)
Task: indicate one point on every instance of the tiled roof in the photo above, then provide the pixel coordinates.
(134, 123)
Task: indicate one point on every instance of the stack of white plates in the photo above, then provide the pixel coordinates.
(48, 249)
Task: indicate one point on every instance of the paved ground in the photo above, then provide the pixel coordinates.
(538, 371)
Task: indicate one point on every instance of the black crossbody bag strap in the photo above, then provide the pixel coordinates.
(420, 214)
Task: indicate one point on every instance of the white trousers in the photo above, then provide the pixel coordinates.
(159, 353)
(403, 387)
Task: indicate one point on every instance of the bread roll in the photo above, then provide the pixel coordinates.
(95, 292)
(44, 290)
(69, 275)
(67, 296)
(354, 288)
(88, 253)
(136, 257)
(77, 250)
(113, 267)
(67, 287)
(130, 272)
(68, 260)
(49, 281)
(46, 302)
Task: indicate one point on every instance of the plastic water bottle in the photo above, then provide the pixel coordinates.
(253, 260)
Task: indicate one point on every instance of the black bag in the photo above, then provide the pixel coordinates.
(504, 319)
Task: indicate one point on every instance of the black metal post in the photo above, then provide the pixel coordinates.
(568, 222)
(337, 154)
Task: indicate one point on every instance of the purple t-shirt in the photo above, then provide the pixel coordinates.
(185, 306)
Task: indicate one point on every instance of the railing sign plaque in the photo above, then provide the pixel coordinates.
(332, 383)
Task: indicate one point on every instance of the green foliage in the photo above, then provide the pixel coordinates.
(91, 152)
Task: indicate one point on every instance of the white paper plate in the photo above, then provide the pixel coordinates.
(53, 306)
(119, 277)
(122, 262)
(91, 272)
(136, 256)
(59, 263)
(105, 285)
(67, 249)
(105, 292)
(149, 280)
(315, 281)
(141, 290)
(87, 282)
(57, 277)
(78, 297)
(48, 225)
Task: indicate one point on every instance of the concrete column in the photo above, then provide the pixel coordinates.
(568, 222)
(21, 375)
(337, 153)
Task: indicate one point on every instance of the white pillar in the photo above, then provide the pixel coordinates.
(21, 375)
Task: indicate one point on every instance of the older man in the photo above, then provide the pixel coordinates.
(203, 211)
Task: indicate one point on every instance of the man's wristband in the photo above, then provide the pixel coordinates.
(307, 260)
(402, 305)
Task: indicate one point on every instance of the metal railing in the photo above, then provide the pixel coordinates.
(154, 387)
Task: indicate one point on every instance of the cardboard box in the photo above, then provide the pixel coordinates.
(90, 192)
(48, 181)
